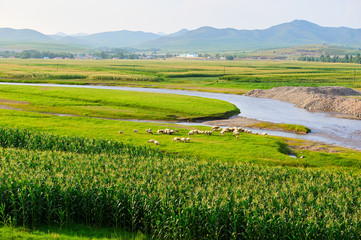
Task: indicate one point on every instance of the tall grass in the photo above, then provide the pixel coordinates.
(117, 77)
(138, 189)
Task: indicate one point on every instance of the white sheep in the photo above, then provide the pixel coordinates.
(188, 139)
(182, 139)
(176, 139)
(215, 128)
(156, 143)
(151, 141)
(264, 134)
(160, 131)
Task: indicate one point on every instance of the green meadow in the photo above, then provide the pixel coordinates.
(67, 173)
(216, 76)
(113, 103)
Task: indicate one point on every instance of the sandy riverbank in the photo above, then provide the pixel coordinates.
(339, 101)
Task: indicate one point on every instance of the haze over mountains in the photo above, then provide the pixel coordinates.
(298, 32)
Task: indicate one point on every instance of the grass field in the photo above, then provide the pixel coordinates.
(113, 104)
(248, 148)
(61, 174)
(217, 76)
(71, 232)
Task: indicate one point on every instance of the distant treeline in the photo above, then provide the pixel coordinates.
(334, 59)
(104, 54)
(35, 54)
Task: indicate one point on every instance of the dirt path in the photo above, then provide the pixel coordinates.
(340, 101)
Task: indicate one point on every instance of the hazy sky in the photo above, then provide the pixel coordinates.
(91, 16)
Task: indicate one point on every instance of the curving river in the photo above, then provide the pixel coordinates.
(325, 128)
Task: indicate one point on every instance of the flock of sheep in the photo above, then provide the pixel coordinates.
(236, 131)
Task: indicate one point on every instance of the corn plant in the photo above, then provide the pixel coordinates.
(47, 179)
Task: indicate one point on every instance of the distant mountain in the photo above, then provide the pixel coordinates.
(295, 33)
(176, 34)
(120, 38)
(71, 40)
(23, 35)
(298, 32)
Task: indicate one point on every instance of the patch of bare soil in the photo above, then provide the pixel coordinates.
(5, 101)
(331, 99)
(312, 146)
(234, 122)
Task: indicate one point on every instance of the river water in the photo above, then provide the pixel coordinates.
(324, 127)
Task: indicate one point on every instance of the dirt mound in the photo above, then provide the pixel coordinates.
(331, 99)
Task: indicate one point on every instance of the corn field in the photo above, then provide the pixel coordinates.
(52, 180)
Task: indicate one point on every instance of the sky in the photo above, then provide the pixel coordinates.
(168, 16)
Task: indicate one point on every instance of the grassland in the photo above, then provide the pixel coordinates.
(113, 104)
(48, 179)
(217, 76)
(70, 232)
(62, 172)
(248, 148)
(282, 126)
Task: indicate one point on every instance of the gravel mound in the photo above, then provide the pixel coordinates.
(331, 99)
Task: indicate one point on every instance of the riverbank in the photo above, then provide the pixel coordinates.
(339, 101)
(325, 128)
(260, 125)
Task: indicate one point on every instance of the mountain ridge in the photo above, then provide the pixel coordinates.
(206, 38)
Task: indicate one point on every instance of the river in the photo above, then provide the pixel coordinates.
(324, 127)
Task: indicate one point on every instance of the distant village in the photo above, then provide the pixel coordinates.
(108, 54)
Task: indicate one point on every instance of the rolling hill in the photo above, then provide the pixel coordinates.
(295, 33)
(298, 32)
(23, 35)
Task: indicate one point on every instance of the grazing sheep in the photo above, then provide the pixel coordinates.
(264, 134)
(224, 130)
(120, 132)
(160, 131)
(182, 139)
(135, 130)
(188, 139)
(149, 131)
(256, 133)
(165, 131)
(215, 128)
(235, 133)
(191, 132)
(237, 137)
(240, 129)
(176, 139)
(156, 143)
(151, 141)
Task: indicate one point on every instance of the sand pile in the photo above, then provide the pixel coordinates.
(338, 100)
